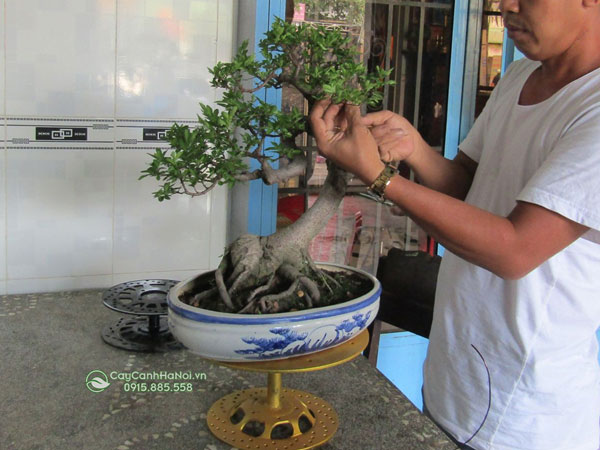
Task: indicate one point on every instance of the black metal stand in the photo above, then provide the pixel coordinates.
(148, 331)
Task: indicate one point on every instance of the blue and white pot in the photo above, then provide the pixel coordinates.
(255, 337)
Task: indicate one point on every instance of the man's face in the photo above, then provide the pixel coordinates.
(543, 29)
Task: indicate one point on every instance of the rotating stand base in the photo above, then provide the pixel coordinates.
(276, 417)
(139, 335)
(244, 420)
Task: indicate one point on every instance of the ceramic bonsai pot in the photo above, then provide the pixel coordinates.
(255, 337)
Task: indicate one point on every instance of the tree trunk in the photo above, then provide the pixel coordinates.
(254, 269)
(314, 220)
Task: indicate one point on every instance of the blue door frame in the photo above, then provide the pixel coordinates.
(461, 20)
(465, 33)
(262, 199)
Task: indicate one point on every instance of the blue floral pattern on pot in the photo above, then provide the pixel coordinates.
(288, 343)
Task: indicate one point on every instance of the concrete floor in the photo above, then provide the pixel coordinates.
(51, 342)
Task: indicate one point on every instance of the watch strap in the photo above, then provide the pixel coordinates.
(381, 182)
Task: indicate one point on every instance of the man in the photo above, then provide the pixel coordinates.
(513, 358)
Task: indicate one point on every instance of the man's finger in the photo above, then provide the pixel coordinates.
(385, 155)
(330, 115)
(319, 127)
(353, 116)
(376, 118)
(385, 133)
(319, 108)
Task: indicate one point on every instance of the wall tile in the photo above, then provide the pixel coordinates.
(73, 214)
(35, 285)
(2, 66)
(169, 275)
(2, 208)
(151, 235)
(146, 135)
(2, 166)
(219, 207)
(59, 207)
(39, 133)
(226, 23)
(60, 57)
(164, 50)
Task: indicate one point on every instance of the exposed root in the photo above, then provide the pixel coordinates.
(198, 298)
(308, 300)
(223, 289)
(264, 275)
(246, 254)
(276, 302)
(291, 273)
(259, 290)
(240, 279)
(271, 303)
(324, 275)
(248, 308)
(312, 288)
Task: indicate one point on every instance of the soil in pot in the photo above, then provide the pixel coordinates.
(334, 287)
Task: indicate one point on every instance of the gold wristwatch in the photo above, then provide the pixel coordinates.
(385, 177)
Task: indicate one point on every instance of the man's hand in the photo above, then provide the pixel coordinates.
(343, 138)
(396, 138)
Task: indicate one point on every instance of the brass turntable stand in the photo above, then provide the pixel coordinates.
(279, 418)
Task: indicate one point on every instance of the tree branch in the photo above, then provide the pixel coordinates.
(195, 192)
(260, 86)
(249, 176)
(295, 168)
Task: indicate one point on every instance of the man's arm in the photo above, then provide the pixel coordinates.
(510, 247)
(452, 177)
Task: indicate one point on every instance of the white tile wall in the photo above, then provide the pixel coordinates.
(2, 68)
(151, 236)
(59, 213)
(2, 213)
(164, 49)
(2, 169)
(177, 275)
(35, 285)
(73, 214)
(225, 38)
(60, 57)
(218, 200)
(219, 197)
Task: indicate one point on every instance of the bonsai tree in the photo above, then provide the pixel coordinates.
(273, 273)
